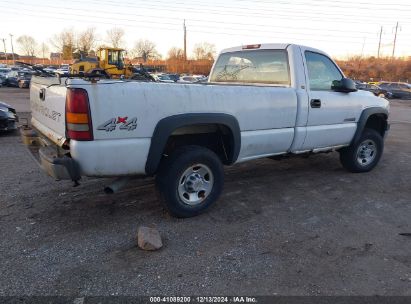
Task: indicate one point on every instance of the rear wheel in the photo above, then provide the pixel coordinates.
(363, 155)
(99, 72)
(190, 180)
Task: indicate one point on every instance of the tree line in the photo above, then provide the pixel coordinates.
(69, 41)
(377, 69)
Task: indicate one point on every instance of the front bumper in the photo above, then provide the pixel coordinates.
(8, 120)
(55, 161)
(8, 124)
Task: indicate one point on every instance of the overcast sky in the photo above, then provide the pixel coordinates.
(339, 27)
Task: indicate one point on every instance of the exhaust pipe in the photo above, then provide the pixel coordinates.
(116, 185)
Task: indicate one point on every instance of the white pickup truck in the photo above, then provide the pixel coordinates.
(261, 101)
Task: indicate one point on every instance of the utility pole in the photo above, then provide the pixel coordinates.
(185, 40)
(362, 49)
(43, 49)
(5, 51)
(12, 49)
(379, 44)
(395, 40)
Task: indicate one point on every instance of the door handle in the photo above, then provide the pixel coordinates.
(315, 103)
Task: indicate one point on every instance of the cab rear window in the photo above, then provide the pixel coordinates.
(252, 67)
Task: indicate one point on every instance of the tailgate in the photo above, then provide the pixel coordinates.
(47, 102)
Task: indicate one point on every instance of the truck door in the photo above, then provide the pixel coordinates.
(331, 121)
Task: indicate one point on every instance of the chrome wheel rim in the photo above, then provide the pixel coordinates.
(195, 184)
(366, 153)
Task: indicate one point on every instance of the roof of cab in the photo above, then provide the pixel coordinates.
(271, 46)
(277, 46)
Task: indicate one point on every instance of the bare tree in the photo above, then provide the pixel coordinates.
(65, 42)
(115, 36)
(176, 53)
(204, 50)
(87, 40)
(28, 45)
(145, 49)
(42, 50)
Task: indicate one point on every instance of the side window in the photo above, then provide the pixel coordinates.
(321, 71)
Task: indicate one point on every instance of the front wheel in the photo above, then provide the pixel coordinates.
(363, 155)
(190, 180)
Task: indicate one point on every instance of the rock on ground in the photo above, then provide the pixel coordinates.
(149, 238)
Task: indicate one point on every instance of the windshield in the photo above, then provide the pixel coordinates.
(115, 57)
(257, 66)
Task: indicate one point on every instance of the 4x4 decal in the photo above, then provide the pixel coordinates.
(111, 124)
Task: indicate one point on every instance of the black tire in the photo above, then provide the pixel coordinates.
(372, 145)
(171, 180)
(100, 72)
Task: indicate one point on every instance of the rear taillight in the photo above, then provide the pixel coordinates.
(78, 118)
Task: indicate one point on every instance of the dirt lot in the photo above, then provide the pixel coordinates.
(295, 227)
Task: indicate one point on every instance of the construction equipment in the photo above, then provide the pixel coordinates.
(109, 63)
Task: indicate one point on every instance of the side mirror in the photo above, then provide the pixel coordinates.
(345, 85)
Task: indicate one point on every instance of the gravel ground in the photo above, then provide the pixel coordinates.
(292, 227)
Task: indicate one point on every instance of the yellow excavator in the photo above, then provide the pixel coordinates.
(109, 63)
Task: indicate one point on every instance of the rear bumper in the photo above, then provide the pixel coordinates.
(58, 167)
(49, 156)
(24, 83)
(99, 158)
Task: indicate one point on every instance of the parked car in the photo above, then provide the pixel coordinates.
(11, 78)
(23, 80)
(50, 70)
(3, 75)
(19, 79)
(4, 71)
(185, 134)
(8, 117)
(376, 90)
(188, 79)
(162, 78)
(2, 80)
(401, 90)
(64, 69)
(201, 78)
(174, 77)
